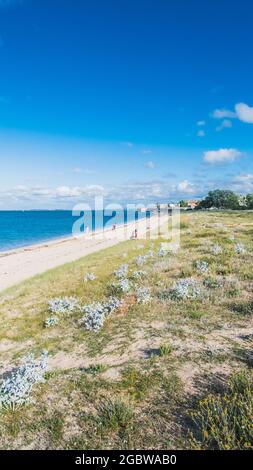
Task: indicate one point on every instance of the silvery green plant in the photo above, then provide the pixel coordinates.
(51, 321)
(139, 274)
(63, 306)
(89, 277)
(202, 267)
(125, 285)
(16, 389)
(122, 286)
(184, 289)
(150, 254)
(143, 295)
(240, 248)
(94, 316)
(140, 260)
(216, 249)
(122, 271)
(96, 313)
(161, 252)
(113, 303)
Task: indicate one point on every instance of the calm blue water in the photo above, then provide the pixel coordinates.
(23, 228)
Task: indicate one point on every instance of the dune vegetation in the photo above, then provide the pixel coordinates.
(133, 347)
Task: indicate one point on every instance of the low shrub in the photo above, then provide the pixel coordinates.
(63, 306)
(216, 249)
(116, 415)
(122, 271)
(123, 286)
(140, 260)
(139, 274)
(97, 312)
(240, 249)
(224, 421)
(89, 277)
(96, 369)
(161, 252)
(51, 321)
(212, 282)
(245, 308)
(16, 389)
(202, 266)
(143, 295)
(165, 349)
(184, 289)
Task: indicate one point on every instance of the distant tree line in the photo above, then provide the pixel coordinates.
(225, 199)
(183, 203)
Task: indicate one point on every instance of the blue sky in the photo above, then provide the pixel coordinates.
(128, 99)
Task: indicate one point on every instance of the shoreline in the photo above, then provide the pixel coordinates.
(64, 238)
(23, 263)
(57, 239)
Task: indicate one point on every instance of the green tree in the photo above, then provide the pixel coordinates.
(183, 203)
(249, 201)
(222, 199)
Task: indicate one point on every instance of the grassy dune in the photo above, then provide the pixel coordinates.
(156, 375)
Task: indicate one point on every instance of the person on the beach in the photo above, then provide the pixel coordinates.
(135, 233)
(87, 230)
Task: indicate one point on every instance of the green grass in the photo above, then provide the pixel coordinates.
(224, 421)
(96, 369)
(116, 415)
(126, 386)
(165, 349)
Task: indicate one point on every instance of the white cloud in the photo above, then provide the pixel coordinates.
(152, 191)
(201, 133)
(21, 187)
(139, 191)
(66, 196)
(146, 151)
(223, 113)
(201, 123)
(77, 170)
(82, 170)
(226, 124)
(128, 144)
(79, 191)
(244, 112)
(41, 194)
(186, 187)
(243, 182)
(150, 165)
(221, 155)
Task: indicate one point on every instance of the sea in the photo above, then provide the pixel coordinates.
(24, 228)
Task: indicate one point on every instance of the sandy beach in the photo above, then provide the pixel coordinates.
(18, 265)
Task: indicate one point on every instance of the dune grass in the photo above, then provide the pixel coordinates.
(137, 382)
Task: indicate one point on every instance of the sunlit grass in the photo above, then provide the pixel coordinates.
(126, 385)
